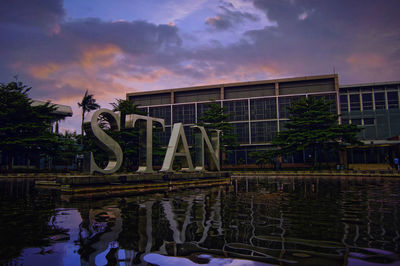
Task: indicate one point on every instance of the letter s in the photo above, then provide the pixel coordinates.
(104, 141)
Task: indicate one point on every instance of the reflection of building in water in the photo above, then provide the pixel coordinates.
(260, 219)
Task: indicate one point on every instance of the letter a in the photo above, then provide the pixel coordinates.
(177, 146)
(105, 142)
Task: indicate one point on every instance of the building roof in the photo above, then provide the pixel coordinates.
(235, 84)
(62, 110)
(370, 84)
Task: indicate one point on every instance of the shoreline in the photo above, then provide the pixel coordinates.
(180, 175)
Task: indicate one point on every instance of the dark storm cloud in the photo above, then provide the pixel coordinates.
(360, 39)
(41, 13)
(354, 36)
(228, 18)
(54, 55)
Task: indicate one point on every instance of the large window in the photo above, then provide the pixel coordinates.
(241, 130)
(263, 131)
(379, 100)
(263, 109)
(189, 135)
(356, 121)
(163, 112)
(328, 98)
(355, 102)
(237, 110)
(202, 107)
(367, 101)
(284, 103)
(393, 100)
(184, 114)
(162, 137)
(343, 103)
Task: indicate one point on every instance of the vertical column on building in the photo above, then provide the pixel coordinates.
(336, 84)
(342, 154)
(172, 109)
(222, 97)
(277, 105)
(249, 117)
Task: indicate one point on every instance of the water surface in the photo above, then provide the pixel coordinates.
(253, 221)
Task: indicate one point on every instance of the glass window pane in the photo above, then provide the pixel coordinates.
(393, 100)
(355, 102)
(356, 121)
(237, 110)
(328, 98)
(343, 103)
(263, 108)
(184, 114)
(241, 130)
(379, 100)
(369, 121)
(367, 101)
(263, 131)
(284, 103)
(163, 112)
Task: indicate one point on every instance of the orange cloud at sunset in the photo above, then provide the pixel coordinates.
(371, 60)
(99, 56)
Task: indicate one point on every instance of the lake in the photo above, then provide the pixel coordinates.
(252, 221)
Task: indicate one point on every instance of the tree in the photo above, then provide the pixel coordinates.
(87, 104)
(312, 126)
(127, 138)
(67, 149)
(215, 117)
(24, 129)
(126, 107)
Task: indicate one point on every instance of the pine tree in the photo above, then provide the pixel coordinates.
(312, 126)
(215, 117)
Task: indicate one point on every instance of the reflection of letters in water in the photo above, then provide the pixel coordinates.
(177, 146)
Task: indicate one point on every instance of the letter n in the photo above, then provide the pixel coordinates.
(211, 153)
(177, 146)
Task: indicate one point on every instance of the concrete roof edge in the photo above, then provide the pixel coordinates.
(369, 84)
(61, 109)
(233, 84)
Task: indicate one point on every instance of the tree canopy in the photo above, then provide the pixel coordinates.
(24, 128)
(312, 126)
(215, 117)
(87, 104)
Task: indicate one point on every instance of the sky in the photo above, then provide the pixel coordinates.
(60, 48)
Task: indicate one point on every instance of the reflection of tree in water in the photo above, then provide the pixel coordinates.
(103, 227)
(24, 218)
(277, 220)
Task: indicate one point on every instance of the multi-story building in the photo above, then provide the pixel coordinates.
(258, 109)
(375, 106)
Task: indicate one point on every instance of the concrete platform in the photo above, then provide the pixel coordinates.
(130, 183)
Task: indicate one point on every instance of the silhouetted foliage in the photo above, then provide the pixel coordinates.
(24, 128)
(312, 126)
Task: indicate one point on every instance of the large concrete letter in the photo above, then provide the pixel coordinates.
(212, 151)
(104, 141)
(177, 146)
(130, 122)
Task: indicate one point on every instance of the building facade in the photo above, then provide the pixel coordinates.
(374, 106)
(258, 110)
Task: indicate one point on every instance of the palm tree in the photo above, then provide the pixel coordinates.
(87, 104)
(126, 107)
